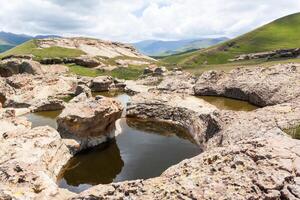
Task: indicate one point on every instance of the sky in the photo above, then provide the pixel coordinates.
(136, 20)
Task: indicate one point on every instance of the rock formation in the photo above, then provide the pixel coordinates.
(90, 121)
(260, 86)
(9, 67)
(246, 154)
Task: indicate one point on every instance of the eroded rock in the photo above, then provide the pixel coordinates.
(260, 86)
(90, 121)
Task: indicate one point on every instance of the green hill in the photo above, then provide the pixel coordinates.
(282, 33)
(31, 47)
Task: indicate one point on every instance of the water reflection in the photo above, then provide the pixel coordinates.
(101, 164)
(229, 104)
(45, 118)
(145, 150)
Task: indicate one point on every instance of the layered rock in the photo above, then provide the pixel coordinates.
(259, 86)
(183, 110)
(89, 121)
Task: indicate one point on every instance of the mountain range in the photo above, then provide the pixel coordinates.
(10, 40)
(164, 48)
(282, 33)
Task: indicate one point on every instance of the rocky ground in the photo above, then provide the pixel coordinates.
(247, 155)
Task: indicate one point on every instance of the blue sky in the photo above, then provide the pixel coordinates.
(135, 20)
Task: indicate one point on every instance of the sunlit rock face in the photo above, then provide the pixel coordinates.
(260, 86)
(89, 121)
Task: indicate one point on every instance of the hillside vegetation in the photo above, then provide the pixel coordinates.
(31, 47)
(282, 33)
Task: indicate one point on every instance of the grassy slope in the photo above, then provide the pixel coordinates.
(30, 47)
(129, 73)
(282, 33)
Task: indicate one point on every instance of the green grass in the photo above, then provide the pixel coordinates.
(31, 47)
(247, 64)
(129, 73)
(282, 33)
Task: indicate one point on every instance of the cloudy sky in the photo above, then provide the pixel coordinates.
(134, 20)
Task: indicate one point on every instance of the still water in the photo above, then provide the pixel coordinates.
(294, 132)
(229, 104)
(144, 149)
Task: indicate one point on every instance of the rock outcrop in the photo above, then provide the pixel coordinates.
(93, 47)
(247, 155)
(179, 82)
(102, 83)
(30, 161)
(39, 92)
(260, 86)
(90, 121)
(10, 67)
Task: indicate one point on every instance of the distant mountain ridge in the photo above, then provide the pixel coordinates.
(10, 40)
(163, 48)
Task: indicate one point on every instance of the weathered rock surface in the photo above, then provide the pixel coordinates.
(39, 92)
(93, 47)
(30, 160)
(255, 169)
(259, 86)
(184, 110)
(90, 121)
(134, 87)
(247, 155)
(180, 82)
(102, 83)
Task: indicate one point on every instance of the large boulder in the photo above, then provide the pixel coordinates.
(89, 121)
(87, 61)
(102, 83)
(10, 67)
(260, 86)
(39, 92)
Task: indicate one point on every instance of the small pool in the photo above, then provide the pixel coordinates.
(294, 132)
(224, 103)
(144, 149)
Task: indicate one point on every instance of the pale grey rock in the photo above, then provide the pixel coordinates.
(90, 121)
(260, 86)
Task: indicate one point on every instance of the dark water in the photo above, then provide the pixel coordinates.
(144, 149)
(294, 132)
(229, 104)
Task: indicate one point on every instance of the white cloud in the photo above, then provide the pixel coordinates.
(132, 20)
